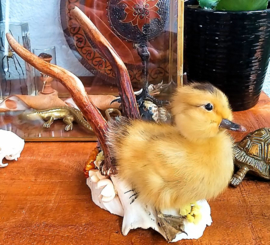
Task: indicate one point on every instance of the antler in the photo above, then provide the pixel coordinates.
(129, 103)
(76, 88)
(77, 91)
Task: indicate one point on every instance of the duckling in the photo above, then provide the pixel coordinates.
(171, 166)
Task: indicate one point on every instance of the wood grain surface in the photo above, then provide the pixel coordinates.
(44, 200)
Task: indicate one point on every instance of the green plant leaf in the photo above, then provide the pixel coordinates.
(208, 4)
(241, 5)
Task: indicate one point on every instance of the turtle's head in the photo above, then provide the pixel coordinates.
(201, 111)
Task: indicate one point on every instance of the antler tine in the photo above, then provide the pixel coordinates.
(129, 103)
(74, 86)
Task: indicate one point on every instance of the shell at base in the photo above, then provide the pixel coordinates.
(137, 214)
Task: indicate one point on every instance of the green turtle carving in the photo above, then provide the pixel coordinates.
(252, 154)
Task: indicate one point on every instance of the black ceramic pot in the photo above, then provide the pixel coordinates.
(230, 50)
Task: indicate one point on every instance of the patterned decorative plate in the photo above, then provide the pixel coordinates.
(148, 13)
(136, 20)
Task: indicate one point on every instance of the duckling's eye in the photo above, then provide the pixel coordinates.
(208, 107)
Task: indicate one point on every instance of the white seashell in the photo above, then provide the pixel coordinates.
(114, 206)
(138, 214)
(108, 192)
(92, 172)
(107, 199)
(94, 178)
(100, 176)
(103, 183)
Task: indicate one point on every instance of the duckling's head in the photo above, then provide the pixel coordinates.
(201, 111)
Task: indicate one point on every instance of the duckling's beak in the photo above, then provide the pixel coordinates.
(225, 123)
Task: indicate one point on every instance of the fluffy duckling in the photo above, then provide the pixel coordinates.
(171, 166)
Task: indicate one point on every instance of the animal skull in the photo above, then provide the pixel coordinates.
(11, 146)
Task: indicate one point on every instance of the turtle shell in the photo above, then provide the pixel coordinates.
(253, 151)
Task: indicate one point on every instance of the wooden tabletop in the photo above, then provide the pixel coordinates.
(44, 199)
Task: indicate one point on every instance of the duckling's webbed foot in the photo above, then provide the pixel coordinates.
(107, 167)
(172, 225)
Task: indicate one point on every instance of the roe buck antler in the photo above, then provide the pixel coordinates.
(76, 88)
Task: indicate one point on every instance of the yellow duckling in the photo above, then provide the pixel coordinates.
(171, 166)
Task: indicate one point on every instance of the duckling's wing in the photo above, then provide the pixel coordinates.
(124, 132)
(140, 141)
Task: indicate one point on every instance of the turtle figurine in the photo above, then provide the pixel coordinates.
(252, 154)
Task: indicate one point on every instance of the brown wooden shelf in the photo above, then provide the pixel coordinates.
(44, 200)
